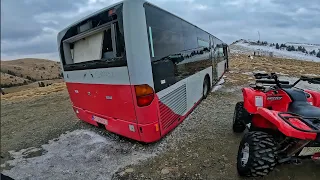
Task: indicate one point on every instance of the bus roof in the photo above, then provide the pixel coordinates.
(138, 1)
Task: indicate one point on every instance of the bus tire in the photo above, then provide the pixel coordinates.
(206, 87)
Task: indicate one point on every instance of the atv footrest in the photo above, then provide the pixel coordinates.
(313, 123)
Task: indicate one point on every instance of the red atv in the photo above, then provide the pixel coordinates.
(283, 123)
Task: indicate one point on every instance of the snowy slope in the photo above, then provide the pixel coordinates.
(308, 47)
(242, 47)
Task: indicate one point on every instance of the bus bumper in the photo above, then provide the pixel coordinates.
(141, 132)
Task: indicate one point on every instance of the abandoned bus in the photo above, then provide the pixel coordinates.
(137, 70)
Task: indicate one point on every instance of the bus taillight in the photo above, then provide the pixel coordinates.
(144, 94)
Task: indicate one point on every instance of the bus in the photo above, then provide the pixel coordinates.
(137, 70)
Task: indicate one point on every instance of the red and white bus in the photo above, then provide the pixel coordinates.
(138, 70)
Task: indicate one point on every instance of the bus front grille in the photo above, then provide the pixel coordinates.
(173, 106)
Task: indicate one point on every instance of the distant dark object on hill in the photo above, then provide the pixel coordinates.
(4, 177)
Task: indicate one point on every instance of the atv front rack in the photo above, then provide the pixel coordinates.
(313, 123)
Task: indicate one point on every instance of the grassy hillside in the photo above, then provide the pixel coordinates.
(28, 70)
(7, 79)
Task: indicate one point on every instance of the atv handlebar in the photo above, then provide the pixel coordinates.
(262, 75)
(273, 79)
(267, 81)
(315, 80)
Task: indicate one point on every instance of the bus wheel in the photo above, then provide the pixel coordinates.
(206, 87)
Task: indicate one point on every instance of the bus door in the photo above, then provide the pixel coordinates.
(220, 61)
(226, 57)
(214, 60)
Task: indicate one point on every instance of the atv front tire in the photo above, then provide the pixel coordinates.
(240, 117)
(256, 155)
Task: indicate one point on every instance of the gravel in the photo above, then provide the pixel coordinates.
(42, 139)
(202, 147)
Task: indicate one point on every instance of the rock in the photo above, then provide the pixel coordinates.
(129, 170)
(224, 158)
(165, 171)
(122, 173)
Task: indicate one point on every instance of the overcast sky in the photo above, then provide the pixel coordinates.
(29, 27)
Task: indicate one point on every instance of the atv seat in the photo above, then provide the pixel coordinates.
(303, 108)
(296, 94)
(300, 105)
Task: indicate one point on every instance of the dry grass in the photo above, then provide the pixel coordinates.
(240, 64)
(34, 92)
(30, 86)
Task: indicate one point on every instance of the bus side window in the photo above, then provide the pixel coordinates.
(119, 41)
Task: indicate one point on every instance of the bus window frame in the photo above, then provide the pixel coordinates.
(66, 43)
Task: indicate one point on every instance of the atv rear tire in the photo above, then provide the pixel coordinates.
(240, 117)
(256, 155)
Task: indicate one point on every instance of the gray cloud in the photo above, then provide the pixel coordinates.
(29, 27)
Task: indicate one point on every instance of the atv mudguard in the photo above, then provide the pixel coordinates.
(265, 118)
(315, 98)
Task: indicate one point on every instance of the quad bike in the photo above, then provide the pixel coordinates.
(283, 123)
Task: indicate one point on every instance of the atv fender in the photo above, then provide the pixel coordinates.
(254, 99)
(249, 96)
(315, 97)
(270, 119)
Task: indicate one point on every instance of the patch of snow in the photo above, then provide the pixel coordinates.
(221, 81)
(247, 73)
(218, 85)
(80, 154)
(216, 88)
(262, 72)
(312, 75)
(282, 74)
